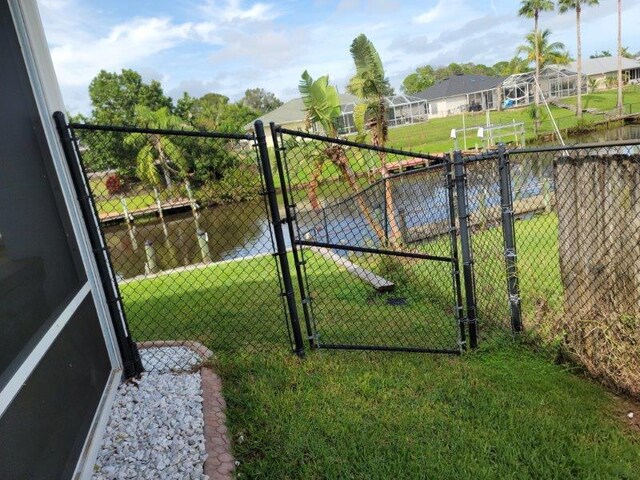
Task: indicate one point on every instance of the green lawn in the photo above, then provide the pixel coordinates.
(499, 413)
(235, 305)
(608, 99)
(433, 136)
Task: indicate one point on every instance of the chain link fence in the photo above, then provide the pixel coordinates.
(183, 215)
(578, 239)
(386, 249)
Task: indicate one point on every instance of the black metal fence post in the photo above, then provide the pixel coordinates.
(508, 232)
(465, 244)
(132, 364)
(279, 237)
(453, 237)
(289, 207)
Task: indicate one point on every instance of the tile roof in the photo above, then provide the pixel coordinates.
(460, 85)
(602, 65)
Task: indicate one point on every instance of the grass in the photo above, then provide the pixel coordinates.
(608, 99)
(233, 305)
(501, 413)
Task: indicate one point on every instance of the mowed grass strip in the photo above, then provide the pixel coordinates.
(501, 413)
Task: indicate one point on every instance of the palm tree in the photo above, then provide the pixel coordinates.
(541, 48)
(564, 6)
(620, 53)
(371, 86)
(322, 103)
(532, 9)
(155, 150)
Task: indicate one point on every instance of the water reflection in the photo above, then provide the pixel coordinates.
(230, 231)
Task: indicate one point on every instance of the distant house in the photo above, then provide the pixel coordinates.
(599, 69)
(555, 81)
(292, 115)
(401, 110)
(461, 93)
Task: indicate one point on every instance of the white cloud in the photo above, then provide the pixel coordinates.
(432, 14)
(78, 60)
(232, 11)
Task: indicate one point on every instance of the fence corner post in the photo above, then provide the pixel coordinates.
(509, 236)
(465, 244)
(281, 249)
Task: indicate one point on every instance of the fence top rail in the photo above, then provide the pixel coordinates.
(577, 146)
(159, 131)
(349, 143)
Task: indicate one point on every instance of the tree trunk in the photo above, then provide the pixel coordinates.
(579, 61)
(536, 97)
(336, 154)
(162, 159)
(313, 188)
(619, 105)
(395, 233)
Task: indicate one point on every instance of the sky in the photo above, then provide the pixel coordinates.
(228, 46)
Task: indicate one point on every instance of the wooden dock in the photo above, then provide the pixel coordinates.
(376, 281)
(172, 206)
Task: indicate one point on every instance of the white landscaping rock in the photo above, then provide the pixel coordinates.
(169, 359)
(156, 426)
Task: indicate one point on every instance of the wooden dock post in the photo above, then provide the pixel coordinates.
(203, 243)
(151, 265)
(192, 200)
(165, 230)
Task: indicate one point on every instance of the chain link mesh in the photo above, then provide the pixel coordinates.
(377, 233)
(185, 222)
(375, 243)
(578, 239)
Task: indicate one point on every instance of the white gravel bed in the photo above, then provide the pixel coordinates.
(156, 425)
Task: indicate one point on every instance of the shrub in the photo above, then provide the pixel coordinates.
(114, 184)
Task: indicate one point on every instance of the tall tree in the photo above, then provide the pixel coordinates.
(114, 96)
(515, 65)
(322, 103)
(421, 79)
(563, 7)
(260, 100)
(547, 52)
(371, 86)
(214, 112)
(532, 9)
(425, 76)
(619, 105)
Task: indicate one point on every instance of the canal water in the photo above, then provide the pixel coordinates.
(242, 229)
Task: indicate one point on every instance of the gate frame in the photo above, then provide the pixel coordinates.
(291, 218)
